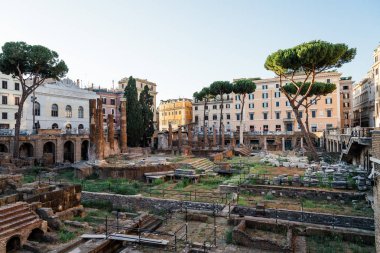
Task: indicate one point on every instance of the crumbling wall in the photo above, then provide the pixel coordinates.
(10, 183)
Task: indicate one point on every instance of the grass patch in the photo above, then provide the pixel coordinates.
(334, 244)
(229, 239)
(99, 204)
(269, 196)
(158, 181)
(182, 184)
(64, 235)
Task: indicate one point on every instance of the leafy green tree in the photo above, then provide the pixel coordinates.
(218, 89)
(205, 96)
(135, 128)
(243, 87)
(146, 104)
(31, 65)
(310, 58)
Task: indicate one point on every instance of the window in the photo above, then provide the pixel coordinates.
(206, 107)
(237, 97)
(17, 101)
(300, 114)
(4, 100)
(278, 127)
(228, 116)
(37, 109)
(228, 106)
(328, 101)
(346, 95)
(376, 58)
(80, 112)
(214, 117)
(68, 126)
(196, 118)
(104, 111)
(377, 71)
(214, 107)
(313, 114)
(265, 105)
(112, 112)
(237, 116)
(206, 117)
(104, 101)
(196, 108)
(328, 81)
(113, 101)
(80, 126)
(251, 116)
(328, 126)
(278, 115)
(345, 87)
(277, 104)
(17, 86)
(4, 85)
(345, 104)
(251, 96)
(251, 105)
(265, 115)
(54, 126)
(16, 115)
(69, 112)
(265, 95)
(277, 85)
(329, 113)
(288, 115)
(237, 106)
(314, 128)
(346, 115)
(266, 128)
(287, 103)
(265, 87)
(277, 94)
(4, 115)
(220, 106)
(54, 110)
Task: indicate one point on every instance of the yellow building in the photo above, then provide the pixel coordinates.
(175, 111)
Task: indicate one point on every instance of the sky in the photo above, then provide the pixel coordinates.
(184, 46)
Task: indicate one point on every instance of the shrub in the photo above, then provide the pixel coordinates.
(158, 181)
(269, 196)
(229, 239)
(182, 184)
(65, 235)
(99, 204)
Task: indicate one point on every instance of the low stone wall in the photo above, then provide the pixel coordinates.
(9, 183)
(218, 157)
(9, 199)
(302, 192)
(145, 203)
(309, 217)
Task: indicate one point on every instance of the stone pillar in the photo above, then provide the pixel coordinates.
(170, 137)
(111, 131)
(77, 150)
(222, 133)
(190, 136)
(233, 143)
(100, 131)
(92, 121)
(205, 143)
(265, 143)
(214, 137)
(301, 142)
(123, 126)
(179, 137)
(283, 144)
(59, 151)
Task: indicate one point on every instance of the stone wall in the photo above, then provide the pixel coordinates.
(309, 217)
(146, 203)
(376, 188)
(301, 192)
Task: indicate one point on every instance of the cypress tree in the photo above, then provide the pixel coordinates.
(146, 103)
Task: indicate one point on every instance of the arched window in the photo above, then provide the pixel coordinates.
(37, 109)
(54, 126)
(69, 111)
(80, 112)
(68, 126)
(80, 126)
(54, 110)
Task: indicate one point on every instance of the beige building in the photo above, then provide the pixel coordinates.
(346, 93)
(268, 110)
(376, 78)
(177, 112)
(364, 103)
(140, 84)
(10, 95)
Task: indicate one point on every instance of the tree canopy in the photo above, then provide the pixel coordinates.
(218, 88)
(146, 104)
(317, 89)
(244, 86)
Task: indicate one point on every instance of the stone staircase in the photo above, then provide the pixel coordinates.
(243, 150)
(202, 164)
(16, 217)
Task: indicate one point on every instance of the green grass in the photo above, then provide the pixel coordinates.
(229, 239)
(28, 178)
(335, 244)
(182, 184)
(99, 204)
(65, 235)
(269, 196)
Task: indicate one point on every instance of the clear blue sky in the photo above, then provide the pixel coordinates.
(185, 45)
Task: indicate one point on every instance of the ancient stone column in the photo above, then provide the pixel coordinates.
(283, 144)
(214, 137)
(111, 131)
(233, 142)
(222, 133)
(123, 126)
(92, 121)
(205, 143)
(301, 142)
(179, 137)
(190, 135)
(170, 136)
(265, 143)
(99, 141)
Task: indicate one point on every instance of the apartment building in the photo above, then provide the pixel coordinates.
(175, 112)
(267, 109)
(140, 84)
(10, 94)
(364, 102)
(375, 69)
(346, 92)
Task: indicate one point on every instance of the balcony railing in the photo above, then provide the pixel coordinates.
(25, 132)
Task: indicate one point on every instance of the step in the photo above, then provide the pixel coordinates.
(12, 230)
(13, 217)
(11, 207)
(18, 223)
(4, 215)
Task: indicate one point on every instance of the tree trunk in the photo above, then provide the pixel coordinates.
(305, 134)
(16, 153)
(241, 133)
(220, 120)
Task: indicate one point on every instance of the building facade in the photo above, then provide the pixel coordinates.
(59, 105)
(346, 92)
(10, 93)
(364, 103)
(176, 112)
(111, 100)
(268, 110)
(376, 78)
(140, 84)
